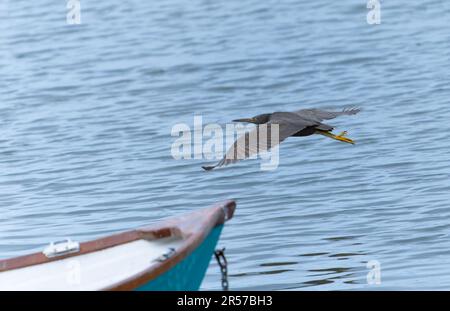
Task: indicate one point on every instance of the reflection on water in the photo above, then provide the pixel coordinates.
(86, 113)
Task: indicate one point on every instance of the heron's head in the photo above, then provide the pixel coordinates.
(259, 119)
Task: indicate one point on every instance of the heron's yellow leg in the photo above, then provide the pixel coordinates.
(341, 137)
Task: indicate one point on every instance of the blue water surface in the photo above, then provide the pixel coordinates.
(86, 113)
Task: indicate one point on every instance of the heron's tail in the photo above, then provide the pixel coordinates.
(222, 162)
(208, 168)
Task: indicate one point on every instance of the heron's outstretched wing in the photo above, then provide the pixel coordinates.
(259, 140)
(319, 115)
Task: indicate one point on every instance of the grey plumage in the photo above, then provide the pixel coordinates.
(302, 122)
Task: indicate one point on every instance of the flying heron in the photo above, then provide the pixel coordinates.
(304, 122)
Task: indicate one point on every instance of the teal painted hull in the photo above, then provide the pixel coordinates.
(188, 274)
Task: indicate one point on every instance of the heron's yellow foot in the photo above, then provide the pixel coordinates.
(342, 137)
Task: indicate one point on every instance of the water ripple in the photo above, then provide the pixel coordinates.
(86, 114)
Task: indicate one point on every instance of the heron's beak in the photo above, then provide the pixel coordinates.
(248, 120)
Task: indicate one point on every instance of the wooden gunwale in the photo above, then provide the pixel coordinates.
(193, 228)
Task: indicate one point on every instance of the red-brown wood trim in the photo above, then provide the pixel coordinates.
(193, 227)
